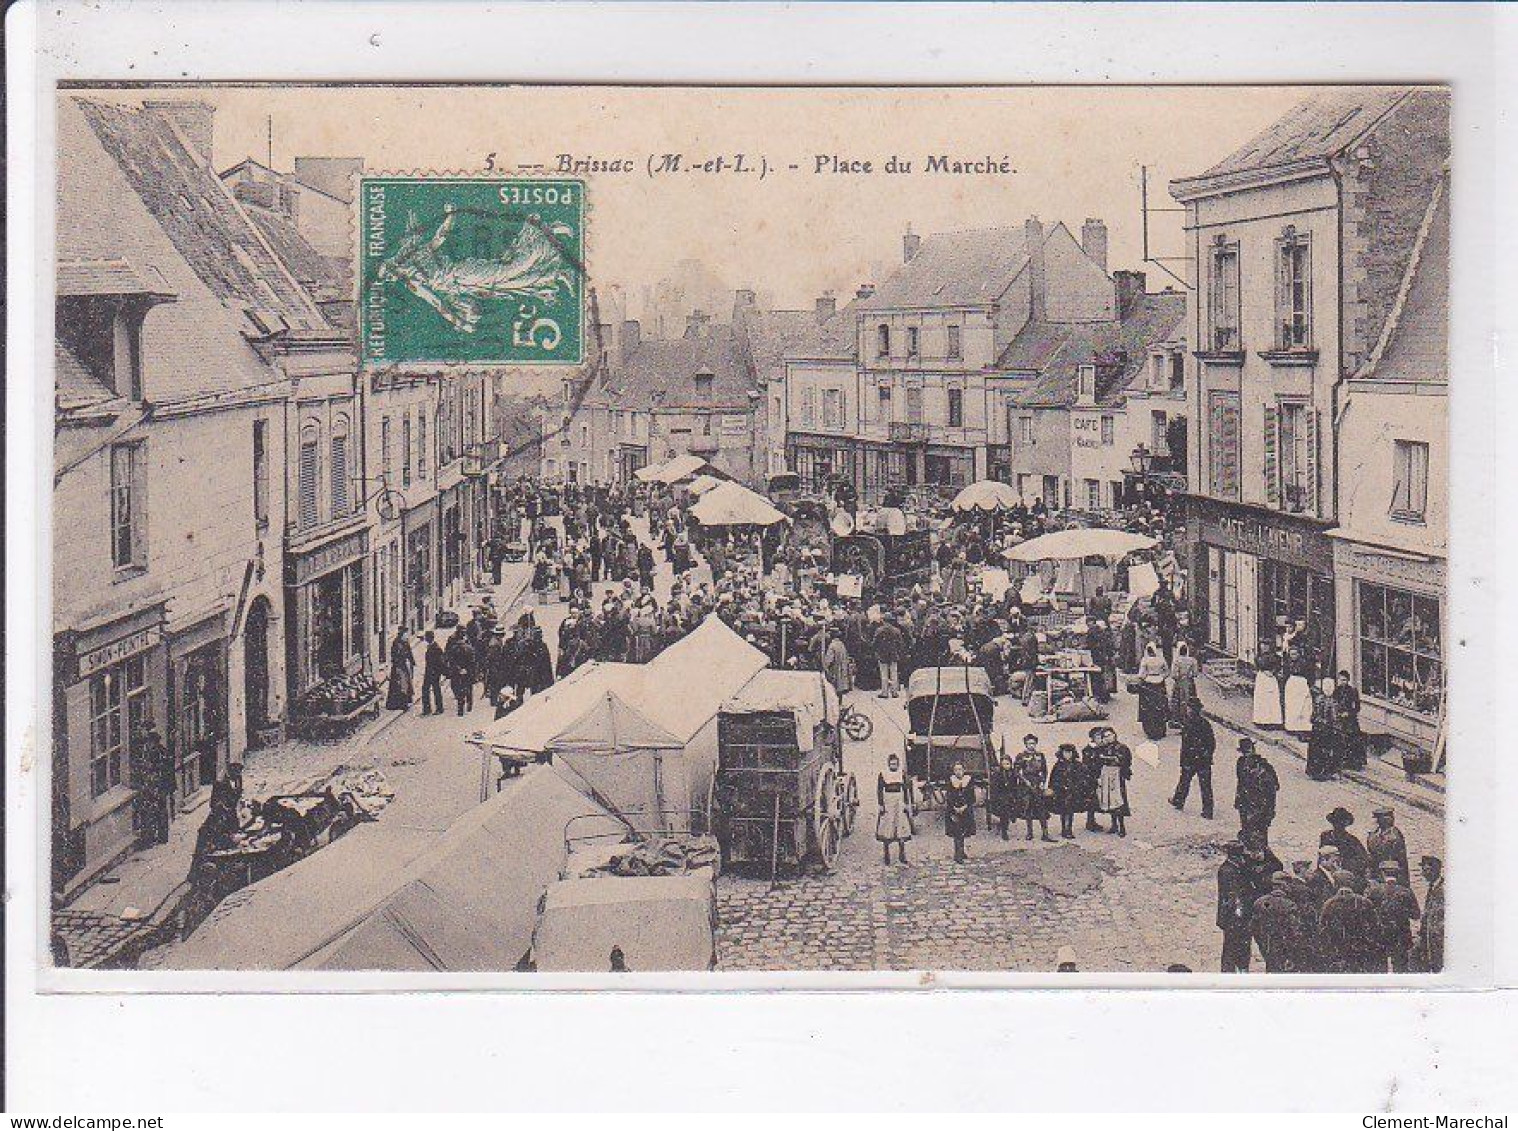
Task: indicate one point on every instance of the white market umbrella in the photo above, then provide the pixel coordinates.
(1073, 545)
(731, 504)
(701, 484)
(986, 495)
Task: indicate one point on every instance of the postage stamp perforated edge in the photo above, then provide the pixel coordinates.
(503, 176)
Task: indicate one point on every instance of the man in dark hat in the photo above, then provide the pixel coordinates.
(433, 669)
(1431, 926)
(1197, 745)
(1385, 842)
(1235, 905)
(1255, 789)
(1352, 854)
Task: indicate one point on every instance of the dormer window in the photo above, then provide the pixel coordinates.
(1085, 383)
(704, 386)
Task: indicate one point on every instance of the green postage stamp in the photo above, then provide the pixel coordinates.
(487, 270)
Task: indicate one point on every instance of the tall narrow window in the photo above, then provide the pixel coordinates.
(421, 445)
(406, 450)
(883, 340)
(1410, 480)
(386, 467)
(1025, 430)
(956, 408)
(1085, 382)
(1177, 369)
(911, 341)
(1292, 453)
(704, 387)
(1293, 291)
(261, 472)
(308, 473)
(832, 408)
(341, 495)
(883, 392)
(914, 404)
(1109, 431)
(1223, 298)
(956, 347)
(128, 516)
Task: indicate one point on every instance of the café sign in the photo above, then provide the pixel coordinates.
(1293, 544)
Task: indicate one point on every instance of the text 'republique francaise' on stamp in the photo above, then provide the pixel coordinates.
(471, 270)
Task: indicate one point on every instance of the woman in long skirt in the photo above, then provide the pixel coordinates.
(1298, 718)
(1183, 675)
(1032, 777)
(402, 664)
(959, 810)
(1153, 709)
(893, 793)
(1268, 711)
(1116, 763)
(1002, 803)
(1322, 750)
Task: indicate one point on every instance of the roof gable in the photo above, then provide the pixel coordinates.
(955, 269)
(1119, 350)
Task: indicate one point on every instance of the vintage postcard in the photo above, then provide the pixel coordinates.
(535, 530)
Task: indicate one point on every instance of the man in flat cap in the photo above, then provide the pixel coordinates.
(1235, 905)
(1385, 842)
(1431, 926)
(1277, 927)
(1396, 908)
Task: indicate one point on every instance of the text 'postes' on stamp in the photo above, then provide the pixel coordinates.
(471, 270)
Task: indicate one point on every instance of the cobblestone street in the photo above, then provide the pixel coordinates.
(1126, 904)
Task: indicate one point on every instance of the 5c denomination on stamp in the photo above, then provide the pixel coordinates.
(487, 270)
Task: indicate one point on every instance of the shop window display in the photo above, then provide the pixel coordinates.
(1401, 653)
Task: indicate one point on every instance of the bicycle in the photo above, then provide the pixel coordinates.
(856, 725)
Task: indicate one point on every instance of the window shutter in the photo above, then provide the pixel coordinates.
(339, 475)
(1272, 456)
(308, 473)
(1310, 472)
(1283, 298)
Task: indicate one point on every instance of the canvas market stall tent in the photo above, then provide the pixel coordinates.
(732, 504)
(681, 469)
(1069, 550)
(638, 739)
(986, 495)
(462, 900)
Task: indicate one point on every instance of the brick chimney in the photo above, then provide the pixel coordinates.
(1094, 242)
(696, 324)
(195, 122)
(1128, 288)
(631, 337)
(827, 306)
(865, 291)
(910, 242)
(744, 301)
(1033, 246)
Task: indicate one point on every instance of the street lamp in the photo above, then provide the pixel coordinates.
(1142, 458)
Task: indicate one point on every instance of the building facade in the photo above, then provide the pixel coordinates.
(1300, 241)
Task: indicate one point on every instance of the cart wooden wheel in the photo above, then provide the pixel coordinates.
(826, 819)
(850, 806)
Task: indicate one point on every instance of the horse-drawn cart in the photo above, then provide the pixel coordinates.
(781, 797)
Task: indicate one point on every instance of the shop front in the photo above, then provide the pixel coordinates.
(1391, 637)
(1258, 573)
(326, 588)
(885, 468)
(451, 542)
(631, 458)
(946, 466)
(820, 460)
(110, 681)
(419, 583)
(198, 730)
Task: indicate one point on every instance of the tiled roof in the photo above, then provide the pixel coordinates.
(836, 339)
(197, 213)
(1119, 351)
(1415, 346)
(195, 345)
(661, 373)
(108, 277)
(773, 335)
(1318, 127)
(322, 276)
(76, 386)
(970, 268)
(1034, 345)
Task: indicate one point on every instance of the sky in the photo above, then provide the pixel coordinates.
(1073, 152)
